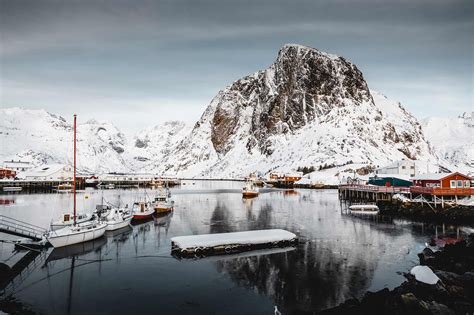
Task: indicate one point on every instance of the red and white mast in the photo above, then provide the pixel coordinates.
(74, 179)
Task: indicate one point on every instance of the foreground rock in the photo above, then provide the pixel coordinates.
(453, 294)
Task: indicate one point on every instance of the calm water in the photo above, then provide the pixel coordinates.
(338, 256)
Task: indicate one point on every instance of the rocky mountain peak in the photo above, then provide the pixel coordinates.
(300, 86)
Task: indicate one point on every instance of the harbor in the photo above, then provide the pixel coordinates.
(333, 247)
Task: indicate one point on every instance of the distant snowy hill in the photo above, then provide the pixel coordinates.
(453, 139)
(309, 108)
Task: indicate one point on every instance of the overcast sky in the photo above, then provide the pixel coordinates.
(138, 63)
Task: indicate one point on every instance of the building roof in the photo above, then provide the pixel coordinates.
(396, 164)
(44, 170)
(399, 176)
(435, 176)
(16, 164)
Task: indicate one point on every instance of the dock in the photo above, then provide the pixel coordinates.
(228, 243)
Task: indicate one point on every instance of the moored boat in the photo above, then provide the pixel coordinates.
(142, 210)
(118, 218)
(76, 232)
(364, 209)
(64, 187)
(163, 202)
(250, 190)
(12, 188)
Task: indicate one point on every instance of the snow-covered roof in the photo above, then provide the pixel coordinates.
(397, 164)
(16, 164)
(431, 176)
(399, 176)
(44, 170)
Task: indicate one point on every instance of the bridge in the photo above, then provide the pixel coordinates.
(19, 228)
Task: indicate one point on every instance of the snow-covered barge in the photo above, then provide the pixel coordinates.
(226, 243)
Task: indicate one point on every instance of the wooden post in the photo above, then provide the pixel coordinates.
(442, 202)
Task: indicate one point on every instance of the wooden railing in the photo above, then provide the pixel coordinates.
(442, 191)
(376, 189)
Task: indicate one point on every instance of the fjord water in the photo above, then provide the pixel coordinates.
(132, 271)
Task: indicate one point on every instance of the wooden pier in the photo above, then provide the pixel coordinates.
(370, 193)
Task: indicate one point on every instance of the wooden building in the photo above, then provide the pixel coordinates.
(6, 173)
(443, 184)
(390, 180)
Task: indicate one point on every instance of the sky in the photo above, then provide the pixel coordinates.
(139, 63)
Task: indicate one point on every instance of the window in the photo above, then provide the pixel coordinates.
(459, 183)
(467, 183)
(403, 167)
(412, 167)
(452, 183)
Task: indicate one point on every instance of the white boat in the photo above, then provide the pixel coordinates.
(75, 234)
(118, 218)
(68, 219)
(163, 202)
(13, 188)
(250, 190)
(364, 209)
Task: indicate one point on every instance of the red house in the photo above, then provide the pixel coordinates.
(6, 173)
(443, 184)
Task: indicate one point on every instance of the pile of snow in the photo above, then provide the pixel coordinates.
(401, 197)
(466, 202)
(424, 274)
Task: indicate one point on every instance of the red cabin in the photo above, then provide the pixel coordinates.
(443, 184)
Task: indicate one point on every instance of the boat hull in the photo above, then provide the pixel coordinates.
(143, 215)
(115, 225)
(249, 194)
(81, 236)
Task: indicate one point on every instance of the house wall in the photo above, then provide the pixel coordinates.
(465, 181)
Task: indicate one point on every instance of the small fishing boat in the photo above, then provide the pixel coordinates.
(68, 219)
(163, 202)
(142, 210)
(250, 190)
(12, 189)
(106, 186)
(364, 209)
(118, 218)
(76, 232)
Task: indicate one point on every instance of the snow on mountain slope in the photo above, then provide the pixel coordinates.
(453, 139)
(308, 108)
(42, 137)
(152, 144)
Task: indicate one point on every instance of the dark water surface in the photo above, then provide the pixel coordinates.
(131, 271)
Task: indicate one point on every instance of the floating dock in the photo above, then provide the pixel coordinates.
(228, 243)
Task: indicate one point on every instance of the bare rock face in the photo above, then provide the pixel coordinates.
(302, 84)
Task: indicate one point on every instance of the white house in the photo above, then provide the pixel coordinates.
(17, 166)
(402, 167)
(56, 172)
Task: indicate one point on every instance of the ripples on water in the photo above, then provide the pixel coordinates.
(338, 256)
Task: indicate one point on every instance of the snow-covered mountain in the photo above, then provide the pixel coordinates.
(41, 137)
(308, 108)
(453, 139)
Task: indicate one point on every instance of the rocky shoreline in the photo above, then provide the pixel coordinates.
(452, 294)
(455, 214)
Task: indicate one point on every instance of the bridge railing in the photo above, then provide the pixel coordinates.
(376, 189)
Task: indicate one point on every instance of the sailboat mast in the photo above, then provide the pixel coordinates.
(74, 179)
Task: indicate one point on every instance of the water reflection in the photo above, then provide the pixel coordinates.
(338, 256)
